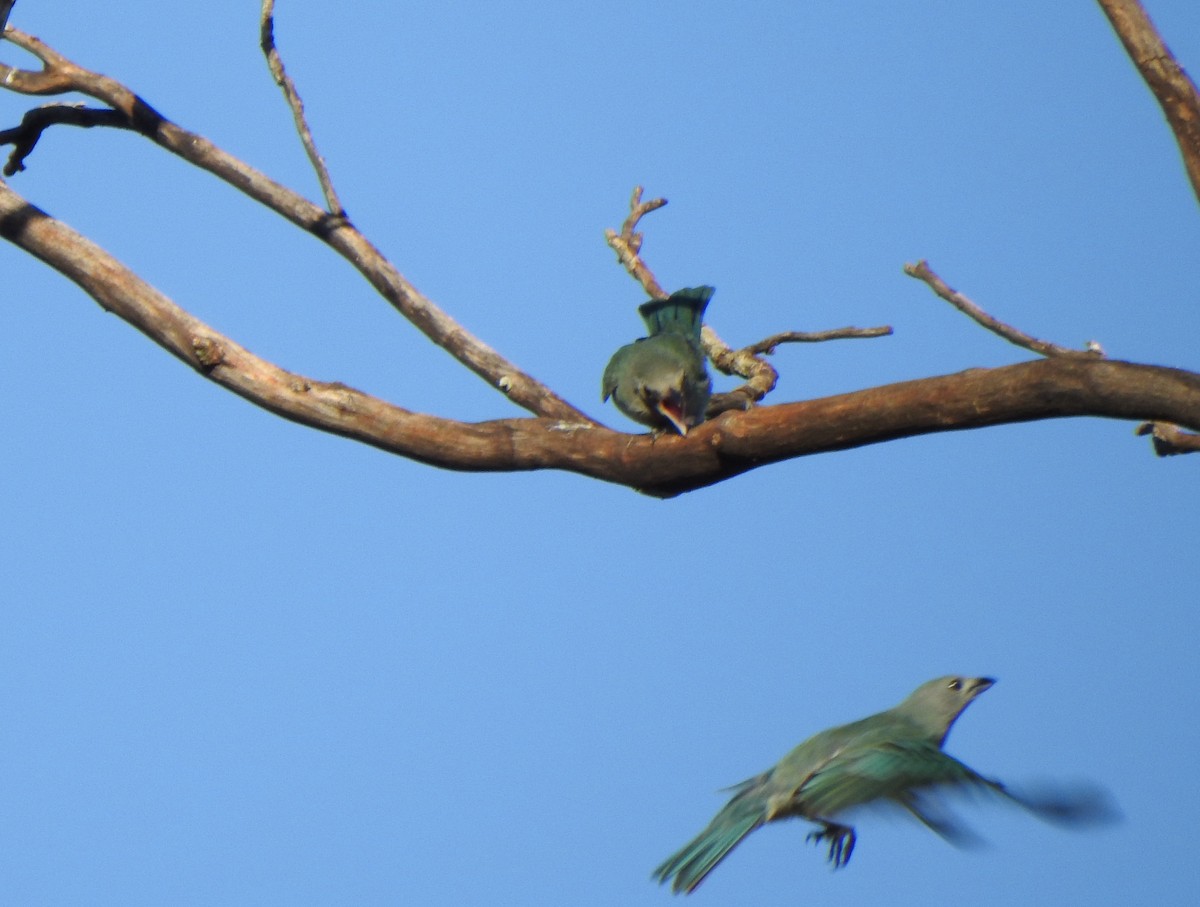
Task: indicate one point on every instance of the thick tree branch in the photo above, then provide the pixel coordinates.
(60, 75)
(1176, 93)
(663, 466)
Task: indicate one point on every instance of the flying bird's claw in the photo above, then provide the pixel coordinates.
(841, 842)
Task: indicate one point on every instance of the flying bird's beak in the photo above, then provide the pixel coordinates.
(979, 684)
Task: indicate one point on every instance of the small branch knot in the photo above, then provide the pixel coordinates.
(209, 353)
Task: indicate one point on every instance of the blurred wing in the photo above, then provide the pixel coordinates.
(1069, 805)
(892, 771)
(916, 774)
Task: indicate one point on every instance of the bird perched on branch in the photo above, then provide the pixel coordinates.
(661, 380)
(894, 757)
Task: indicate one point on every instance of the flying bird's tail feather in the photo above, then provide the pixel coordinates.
(682, 312)
(700, 856)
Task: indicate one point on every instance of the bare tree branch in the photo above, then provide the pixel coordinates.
(1176, 93)
(921, 271)
(1169, 440)
(628, 243)
(284, 81)
(1068, 383)
(746, 363)
(662, 466)
(60, 75)
(767, 346)
(24, 138)
(761, 376)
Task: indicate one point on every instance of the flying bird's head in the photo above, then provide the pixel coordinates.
(935, 705)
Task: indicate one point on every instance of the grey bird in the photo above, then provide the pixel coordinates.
(893, 757)
(661, 380)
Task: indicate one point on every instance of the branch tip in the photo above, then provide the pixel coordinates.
(923, 272)
(1169, 440)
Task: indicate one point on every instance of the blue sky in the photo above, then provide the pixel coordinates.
(245, 663)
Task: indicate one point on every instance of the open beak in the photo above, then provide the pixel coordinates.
(672, 414)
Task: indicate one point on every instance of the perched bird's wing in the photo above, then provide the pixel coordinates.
(612, 372)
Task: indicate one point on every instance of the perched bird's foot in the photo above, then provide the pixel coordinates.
(841, 842)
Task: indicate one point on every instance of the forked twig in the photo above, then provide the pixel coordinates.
(747, 362)
(59, 75)
(628, 243)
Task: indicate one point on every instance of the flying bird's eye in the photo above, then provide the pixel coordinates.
(956, 684)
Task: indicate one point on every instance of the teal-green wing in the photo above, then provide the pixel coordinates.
(910, 773)
(890, 770)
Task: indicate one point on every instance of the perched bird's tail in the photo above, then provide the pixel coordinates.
(700, 856)
(681, 313)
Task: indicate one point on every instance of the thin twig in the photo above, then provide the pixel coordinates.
(761, 377)
(767, 346)
(921, 271)
(1175, 92)
(760, 374)
(746, 363)
(1169, 440)
(628, 243)
(284, 81)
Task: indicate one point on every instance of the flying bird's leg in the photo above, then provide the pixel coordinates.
(841, 841)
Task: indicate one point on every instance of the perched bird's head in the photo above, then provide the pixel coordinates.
(935, 705)
(660, 381)
(667, 399)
